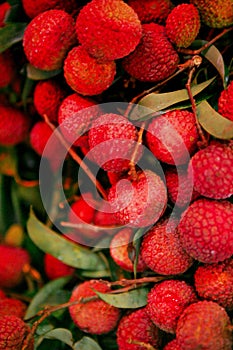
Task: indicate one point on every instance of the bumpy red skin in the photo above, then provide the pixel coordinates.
(48, 96)
(154, 59)
(39, 136)
(104, 217)
(225, 102)
(215, 282)
(151, 10)
(12, 261)
(139, 203)
(11, 306)
(162, 250)
(203, 325)
(2, 294)
(121, 137)
(55, 268)
(7, 69)
(169, 297)
(85, 75)
(183, 25)
(119, 250)
(181, 186)
(13, 332)
(14, 125)
(74, 117)
(4, 8)
(48, 38)
(136, 327)
(173, 136)
(172, 345)
(106, 316)
(33, 8)
(108, 30)
(205, 230)
(212, 170)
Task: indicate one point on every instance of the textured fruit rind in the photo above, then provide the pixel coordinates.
(151, 10)
(205, 230)
(108, 29)
(34, 8)
(225, 102)
(48, 38)
(11, 306)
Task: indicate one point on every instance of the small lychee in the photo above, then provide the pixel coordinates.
(55, 268)
(34, 8)
(12, 306)
(225, 102)
(151, 10)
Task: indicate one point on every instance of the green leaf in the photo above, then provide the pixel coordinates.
(11, 34)
(158, 102)
(86, 343)
(137, 244)
(213, 55)
(68, 252)
(34, 73)
(8, 162)
(129, 300)
(62, 334)
(214, 123)
(40, 299)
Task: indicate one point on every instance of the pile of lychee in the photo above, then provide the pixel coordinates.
(164, 179)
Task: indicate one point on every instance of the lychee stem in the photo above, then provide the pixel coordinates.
(142, 344)
(132, 172)
(126, 282)
(77, 159)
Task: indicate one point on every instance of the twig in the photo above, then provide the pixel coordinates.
(126, 282)
(141, 344)
(132, 172)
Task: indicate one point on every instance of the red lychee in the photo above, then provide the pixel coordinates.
(14, 125)
(215, 282)
(2, 294)
(205, 230)
(204, 325)
(48, 96)
(162, 250)
(166, 301)
(183, 24)
(105, 217)
(75, 115)
(112, 140)
(33, 8)
(225, 102)
(85, 74)
(7, 68)
(138, 202)
(13, 332)
(106, 316)
(136, 330)
(12, 306)
(48, 38)
(55, 268)
(154, 59)
(172, 345)
(151, 10)
(12, 262)
(173, 136)
(108, 30)
(212, 170)
(120, 250)
(4, 10)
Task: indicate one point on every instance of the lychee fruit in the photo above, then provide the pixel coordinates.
(74, 117)
(136, 331)
(162, 250)
(205, 230)
(48, 38)
(7, 68)
(211, 169)
(120, 251)
(139, 202)
(166, 301)
(13, 332)
(14, 125)
(215, 13)
(180, 186)
(55, 268)
(173, 136)
(172, 345)
(112, 140)
(154, 59)
(4, 10)
(12, 306)
(85, 74)
(183, 25)
(108, 30)
(48, 96)
(151, 10)
(2, 294)
(12, 262)
(33, 8)
(215, 282)
(106, 316)
(225, 102)
(104, 217)
(204, 325)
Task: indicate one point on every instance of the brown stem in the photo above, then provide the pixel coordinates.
(126, 282)
(132, 172)
(77, 159)
(141, 344)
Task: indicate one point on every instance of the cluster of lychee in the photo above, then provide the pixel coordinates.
(88, 47)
